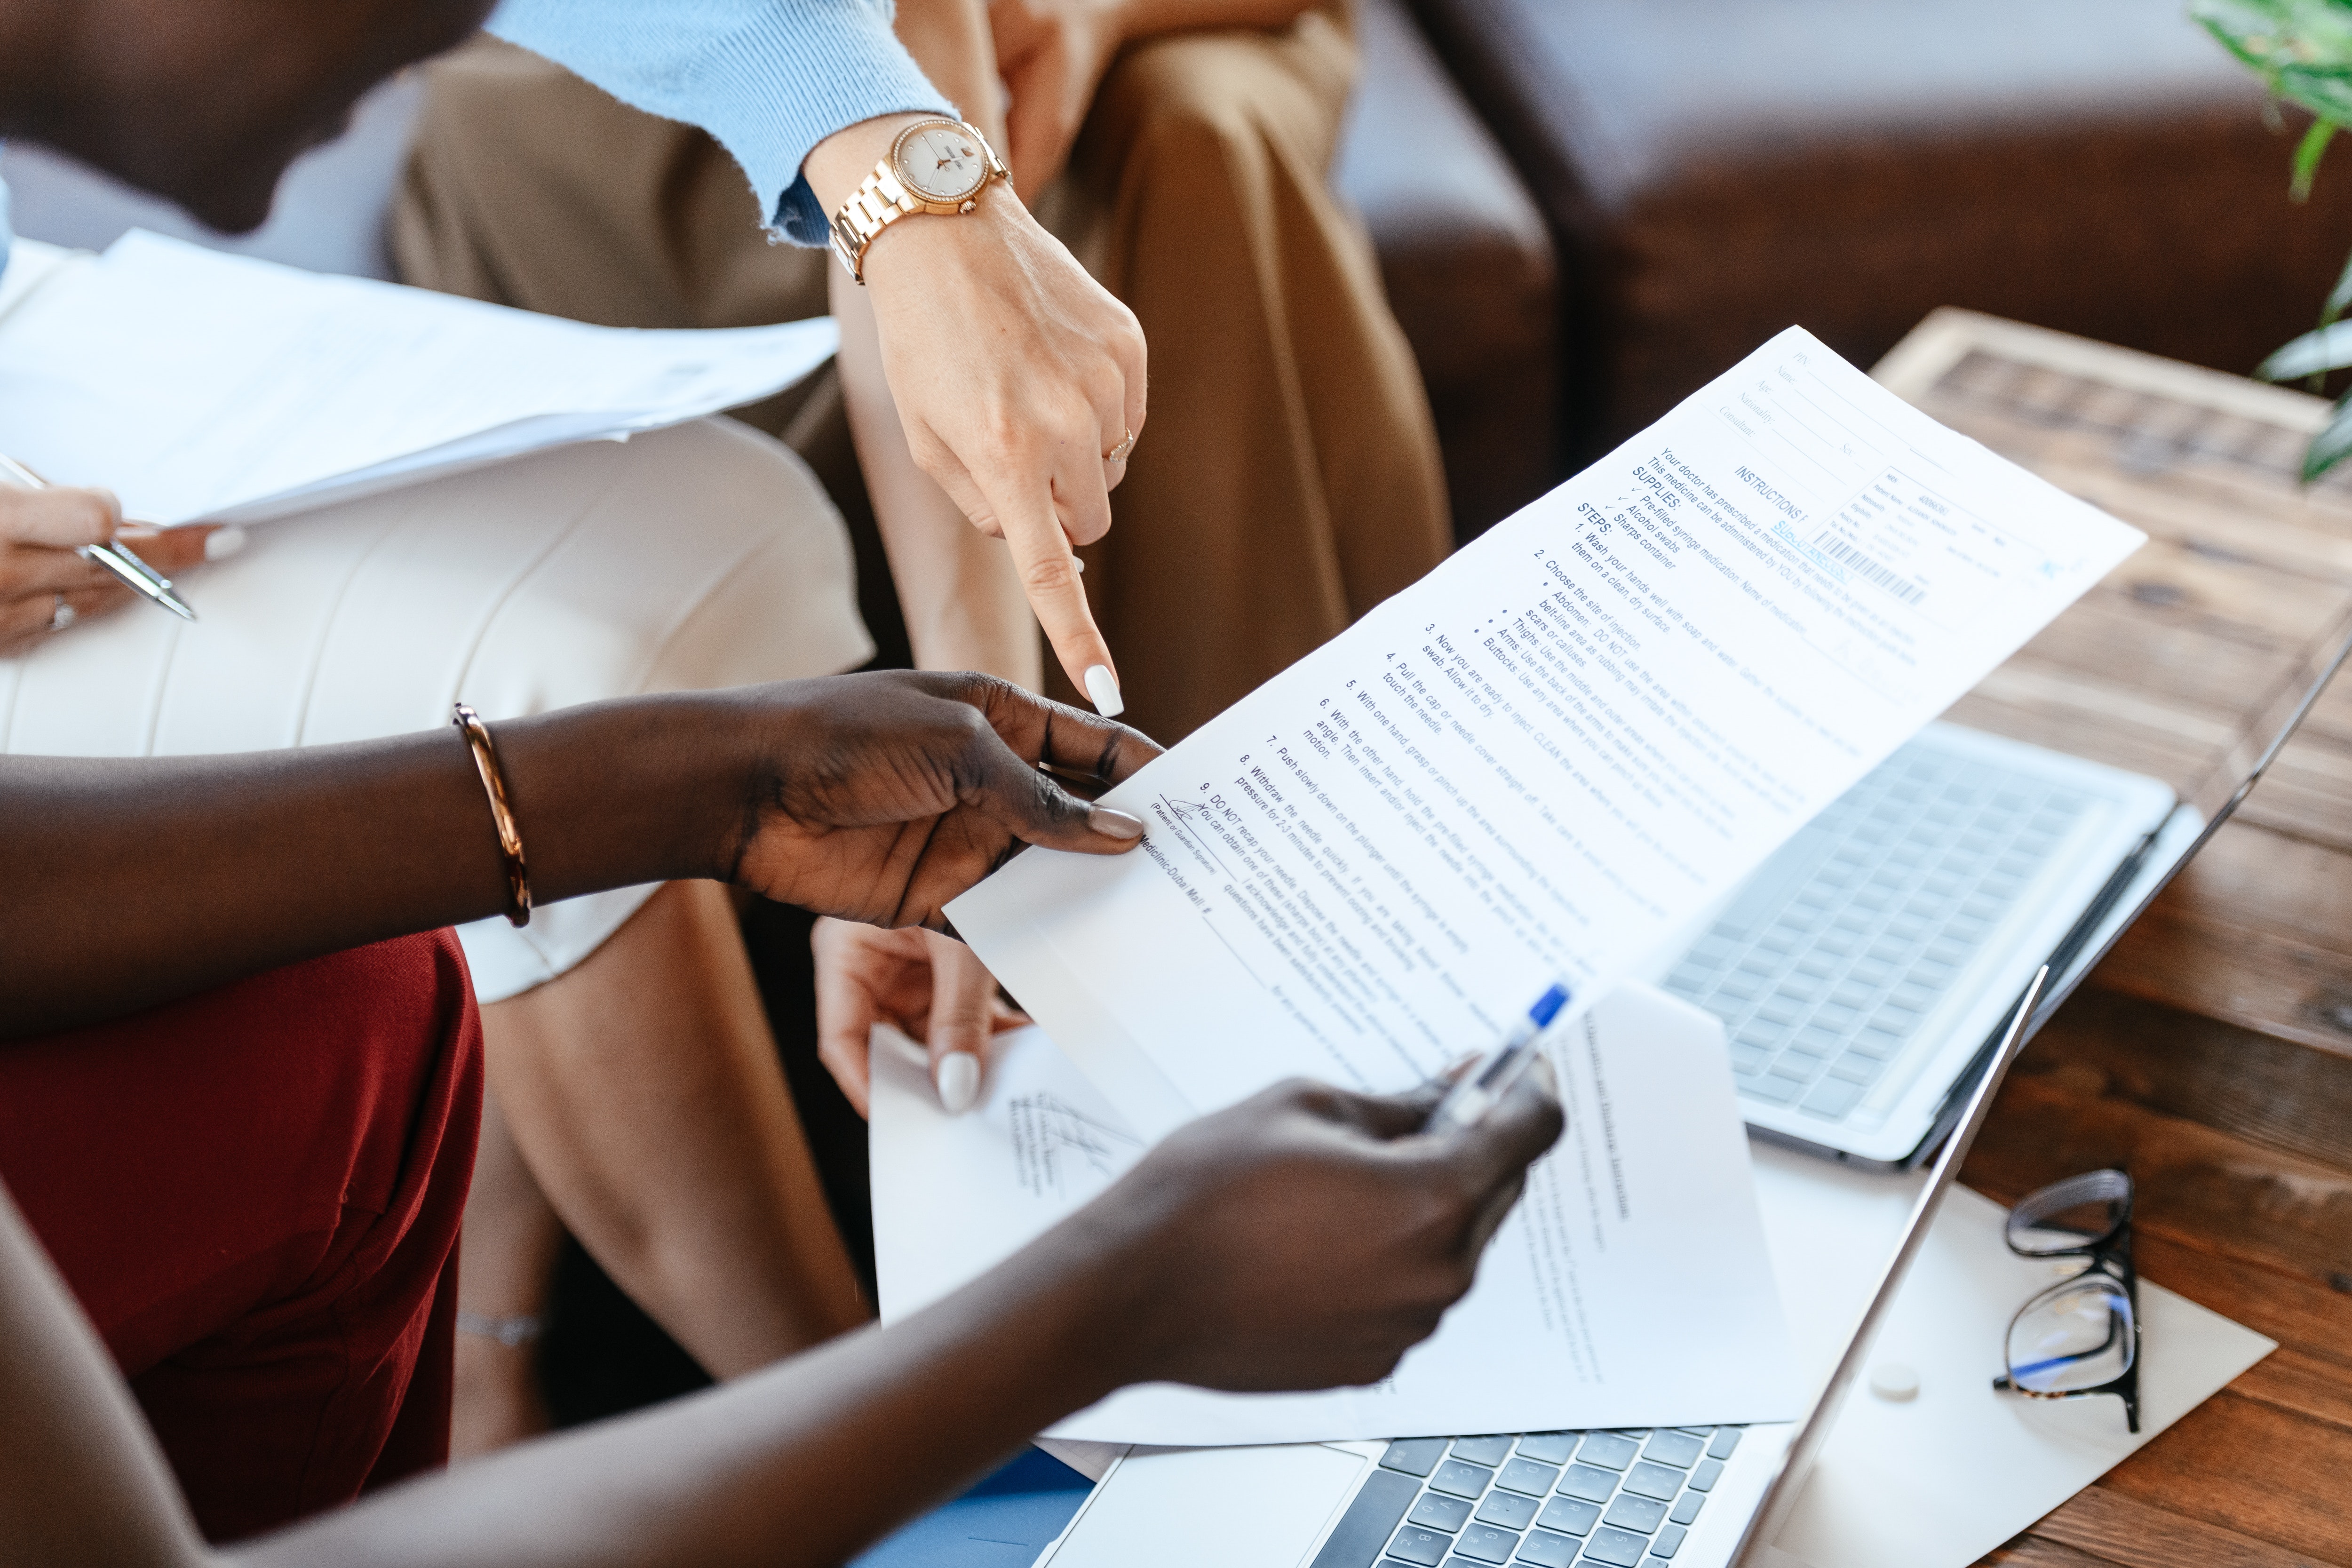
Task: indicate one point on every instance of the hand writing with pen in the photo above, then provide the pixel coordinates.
(46, 586)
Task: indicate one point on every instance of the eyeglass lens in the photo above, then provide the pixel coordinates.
(2071, 1215)
(2074, 1336)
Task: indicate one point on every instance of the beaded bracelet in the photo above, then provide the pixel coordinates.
(494, 784)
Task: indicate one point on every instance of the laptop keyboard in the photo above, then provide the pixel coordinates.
(1544, 1500)
(1842, 941)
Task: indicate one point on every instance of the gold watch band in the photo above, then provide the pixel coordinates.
(881, 199)
(879, 202)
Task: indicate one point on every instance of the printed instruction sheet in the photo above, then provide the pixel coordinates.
(1547, 756)
(1631, 1286)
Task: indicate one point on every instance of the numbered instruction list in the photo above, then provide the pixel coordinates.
(1547, 756)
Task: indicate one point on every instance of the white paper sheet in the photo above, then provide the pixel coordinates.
(201, 387)
(1938, 1480)
(1546, 755)
(1631, 1286)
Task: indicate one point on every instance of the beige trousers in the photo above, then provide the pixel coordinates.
(1290, 479)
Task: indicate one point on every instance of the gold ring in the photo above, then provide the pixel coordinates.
(1127, 444)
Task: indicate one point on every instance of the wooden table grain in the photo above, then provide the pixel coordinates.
(2210, 1055)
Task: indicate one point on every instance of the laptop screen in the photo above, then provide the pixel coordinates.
(2208, 805)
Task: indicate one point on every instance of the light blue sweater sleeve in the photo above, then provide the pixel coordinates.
(770, 78)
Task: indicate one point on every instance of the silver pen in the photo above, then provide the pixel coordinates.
(1476, 1093)
(136, 575)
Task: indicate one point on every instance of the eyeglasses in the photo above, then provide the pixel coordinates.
(2081, 1336)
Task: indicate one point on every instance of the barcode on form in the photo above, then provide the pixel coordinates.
(1902, 587)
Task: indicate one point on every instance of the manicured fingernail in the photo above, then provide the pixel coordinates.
(1114, 823)
(958, 1077)
(1103, 687)
(224, 542)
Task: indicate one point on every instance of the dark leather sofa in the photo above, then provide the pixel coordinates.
(1468, 264)
(1715, 170)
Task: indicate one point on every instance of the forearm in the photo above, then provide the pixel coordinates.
(949, 41)
(1377, 1222)
(134, 881)
(800, 1464)
(957, 587)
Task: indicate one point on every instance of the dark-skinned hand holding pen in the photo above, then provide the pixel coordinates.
(45, 587)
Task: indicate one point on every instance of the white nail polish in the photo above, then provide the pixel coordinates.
(958, 1075)
(1104, 689)
(222, 544)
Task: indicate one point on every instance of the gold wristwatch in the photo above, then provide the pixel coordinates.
(933, 166)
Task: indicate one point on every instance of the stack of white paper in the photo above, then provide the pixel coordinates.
(205, 387)
(1537, 765)
(1631, 1286)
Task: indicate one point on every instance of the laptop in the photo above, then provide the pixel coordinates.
(1863, 971)
(1863, 968)
(1698, 1497)
(1703, 1496)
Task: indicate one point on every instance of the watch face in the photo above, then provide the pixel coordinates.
(942, 163)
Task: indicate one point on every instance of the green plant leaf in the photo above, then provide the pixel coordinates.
(2307, 154)
(2247, 28)
(2329, 348)
(2301, 48)
(2326, 93)
(2332, 445)
(2339, 299)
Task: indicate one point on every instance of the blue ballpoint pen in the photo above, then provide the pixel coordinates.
(1476, 1093)
(136, 575)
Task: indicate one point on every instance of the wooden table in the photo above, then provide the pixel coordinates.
(2211, 1053)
